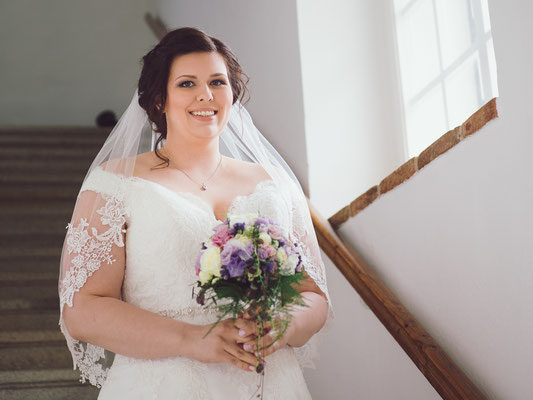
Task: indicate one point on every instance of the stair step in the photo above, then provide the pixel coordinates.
(17, 191)
(38, 261)
(43, 176)
(70, 134)
(13, 337)
(30, 240)
(29, 295)
(29, 275)
(50, 391)
(86, 153)
(47, 384)
(36, 355)
(36, 207)
(29, 320)
(23, 224)
(20, 255)
(48, 165)
(26, 178)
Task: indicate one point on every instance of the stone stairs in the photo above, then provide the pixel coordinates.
(41, 171)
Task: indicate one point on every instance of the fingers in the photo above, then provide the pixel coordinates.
(240, 358)
(265, 342)
(246, 328)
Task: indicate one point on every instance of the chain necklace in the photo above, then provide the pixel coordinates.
(203, 185)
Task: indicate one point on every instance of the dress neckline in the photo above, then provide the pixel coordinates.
(198, 199)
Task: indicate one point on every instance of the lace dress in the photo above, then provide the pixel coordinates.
(164, 230)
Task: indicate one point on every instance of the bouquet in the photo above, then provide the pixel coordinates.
(252, 266)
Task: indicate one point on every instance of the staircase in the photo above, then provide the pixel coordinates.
(41, 171)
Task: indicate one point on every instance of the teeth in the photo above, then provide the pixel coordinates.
(203, 113)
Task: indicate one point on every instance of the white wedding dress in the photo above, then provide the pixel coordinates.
(164, 230)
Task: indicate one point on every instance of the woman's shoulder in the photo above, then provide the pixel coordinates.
(109, 177)
(247, 171)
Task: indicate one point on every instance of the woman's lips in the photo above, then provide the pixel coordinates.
(202, 118)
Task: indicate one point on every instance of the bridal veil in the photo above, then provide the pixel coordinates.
(95, 235)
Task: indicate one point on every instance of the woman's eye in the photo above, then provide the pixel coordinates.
(182, 84)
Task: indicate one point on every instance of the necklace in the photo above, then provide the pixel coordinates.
(203, 185)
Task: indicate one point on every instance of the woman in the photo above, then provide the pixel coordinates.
(132, 326)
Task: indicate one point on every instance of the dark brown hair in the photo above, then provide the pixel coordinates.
(156, 69)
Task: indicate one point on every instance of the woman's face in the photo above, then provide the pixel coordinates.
(206, 86)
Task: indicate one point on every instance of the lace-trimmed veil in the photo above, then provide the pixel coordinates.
(96, 231)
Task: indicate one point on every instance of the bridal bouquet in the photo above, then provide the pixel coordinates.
(250, 263)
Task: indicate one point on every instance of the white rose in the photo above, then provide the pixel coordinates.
(289, 266)
(282, 255)
(210, 262)
(265, 237)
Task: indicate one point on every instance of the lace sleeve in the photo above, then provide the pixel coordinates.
(303, 233)
(95, 238)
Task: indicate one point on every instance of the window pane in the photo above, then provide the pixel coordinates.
(419, 57)
(486, 19)
(426, 121)
(492, 71)
(462, 91)
(455, 29)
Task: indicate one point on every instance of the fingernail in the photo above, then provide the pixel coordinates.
(242, 332)
(251, 368)
(247, 347)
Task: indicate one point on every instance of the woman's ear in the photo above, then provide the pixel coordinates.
(159, 108)
(158, 103)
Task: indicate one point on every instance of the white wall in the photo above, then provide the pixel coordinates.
(351, 92)
(64, 61)
(454, 241)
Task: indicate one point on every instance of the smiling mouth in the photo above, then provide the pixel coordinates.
(199, 115)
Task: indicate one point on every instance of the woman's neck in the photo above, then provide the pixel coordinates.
(199, 158)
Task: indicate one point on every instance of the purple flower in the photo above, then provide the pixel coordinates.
(268, 267)
(237, 265)
(299, 266)
(197, 263)
(266, 251)
(275, 232)
(236, 257)
(237, 226)
(262, 223)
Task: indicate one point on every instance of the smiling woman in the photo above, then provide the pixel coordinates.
(128, 260)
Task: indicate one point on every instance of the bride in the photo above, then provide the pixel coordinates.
(127, 263)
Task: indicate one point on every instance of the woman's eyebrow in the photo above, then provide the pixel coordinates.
(192, 76)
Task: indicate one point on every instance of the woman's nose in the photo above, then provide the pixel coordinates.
(205, 94)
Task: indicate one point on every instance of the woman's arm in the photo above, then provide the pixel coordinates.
(123, 328)
(306, 321)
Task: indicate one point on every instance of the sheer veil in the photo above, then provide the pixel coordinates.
(98, 225)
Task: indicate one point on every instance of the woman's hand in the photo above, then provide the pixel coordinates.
(221, 345)
(248, 327)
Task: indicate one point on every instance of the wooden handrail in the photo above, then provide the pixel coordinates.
(438, 368)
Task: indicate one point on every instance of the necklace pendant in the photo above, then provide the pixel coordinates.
(204, 187)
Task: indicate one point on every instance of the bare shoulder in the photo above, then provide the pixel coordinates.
(247, 171)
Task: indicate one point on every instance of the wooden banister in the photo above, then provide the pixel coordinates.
(439, 369)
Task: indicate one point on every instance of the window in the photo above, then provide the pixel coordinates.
(447, 65)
